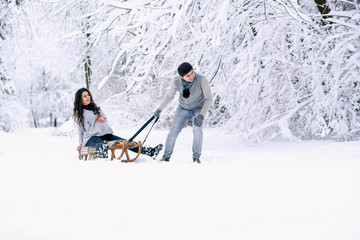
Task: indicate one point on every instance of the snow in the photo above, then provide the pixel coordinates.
(280, 190)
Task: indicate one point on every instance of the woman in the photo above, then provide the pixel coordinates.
(93, 128)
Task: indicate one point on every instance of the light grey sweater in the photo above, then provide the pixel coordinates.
(92, 127)
(200, 94)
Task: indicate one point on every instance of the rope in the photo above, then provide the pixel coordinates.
(142, 128)
(150, 129)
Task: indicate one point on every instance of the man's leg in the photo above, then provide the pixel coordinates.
(181, 116)
(197, 138)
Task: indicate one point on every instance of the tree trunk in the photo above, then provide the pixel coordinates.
(87, 71)
(35, 124)
(323, 7)
(51, 120)
(87, 65)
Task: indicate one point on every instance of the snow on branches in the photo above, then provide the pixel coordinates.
(277, 68)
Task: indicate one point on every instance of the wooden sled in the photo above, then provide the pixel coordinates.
(90, 152)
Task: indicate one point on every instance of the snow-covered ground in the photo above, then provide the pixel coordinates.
(307, 190)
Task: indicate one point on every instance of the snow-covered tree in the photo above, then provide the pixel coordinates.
(267, 61)
(36, 54)
(278, 68)
(10, 106)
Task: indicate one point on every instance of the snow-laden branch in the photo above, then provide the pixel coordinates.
(131, 5)
(282, 120)
(115, 63)
(294, 6)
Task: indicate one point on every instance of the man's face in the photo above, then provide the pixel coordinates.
(189, 77)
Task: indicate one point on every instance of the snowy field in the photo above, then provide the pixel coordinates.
(294, 191)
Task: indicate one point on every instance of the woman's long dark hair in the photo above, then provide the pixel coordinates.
(79, 109)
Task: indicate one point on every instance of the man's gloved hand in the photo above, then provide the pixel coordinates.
(157, 113)
(198, 120)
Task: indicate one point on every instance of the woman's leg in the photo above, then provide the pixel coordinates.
(101, 146)
(94, 141)
(111, 137)
(149, 151)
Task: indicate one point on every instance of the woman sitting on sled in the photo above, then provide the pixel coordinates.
(94, 130)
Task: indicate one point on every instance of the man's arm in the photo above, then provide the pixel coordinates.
(169, 95)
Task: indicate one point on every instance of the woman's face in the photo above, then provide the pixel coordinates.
(85, 97)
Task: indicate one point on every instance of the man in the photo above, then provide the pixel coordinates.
(194, 101)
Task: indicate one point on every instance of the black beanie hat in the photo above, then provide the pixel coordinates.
(184, 68)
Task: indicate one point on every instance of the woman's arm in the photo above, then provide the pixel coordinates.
(81, 134)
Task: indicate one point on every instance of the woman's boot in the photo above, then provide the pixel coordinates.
(103, 149)
(152, 152)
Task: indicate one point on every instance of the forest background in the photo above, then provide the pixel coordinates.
(278, 69)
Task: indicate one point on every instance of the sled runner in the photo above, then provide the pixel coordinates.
(124, 146)
(90, 152)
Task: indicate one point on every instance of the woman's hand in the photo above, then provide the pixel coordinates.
(78, 148)
(101, 119)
